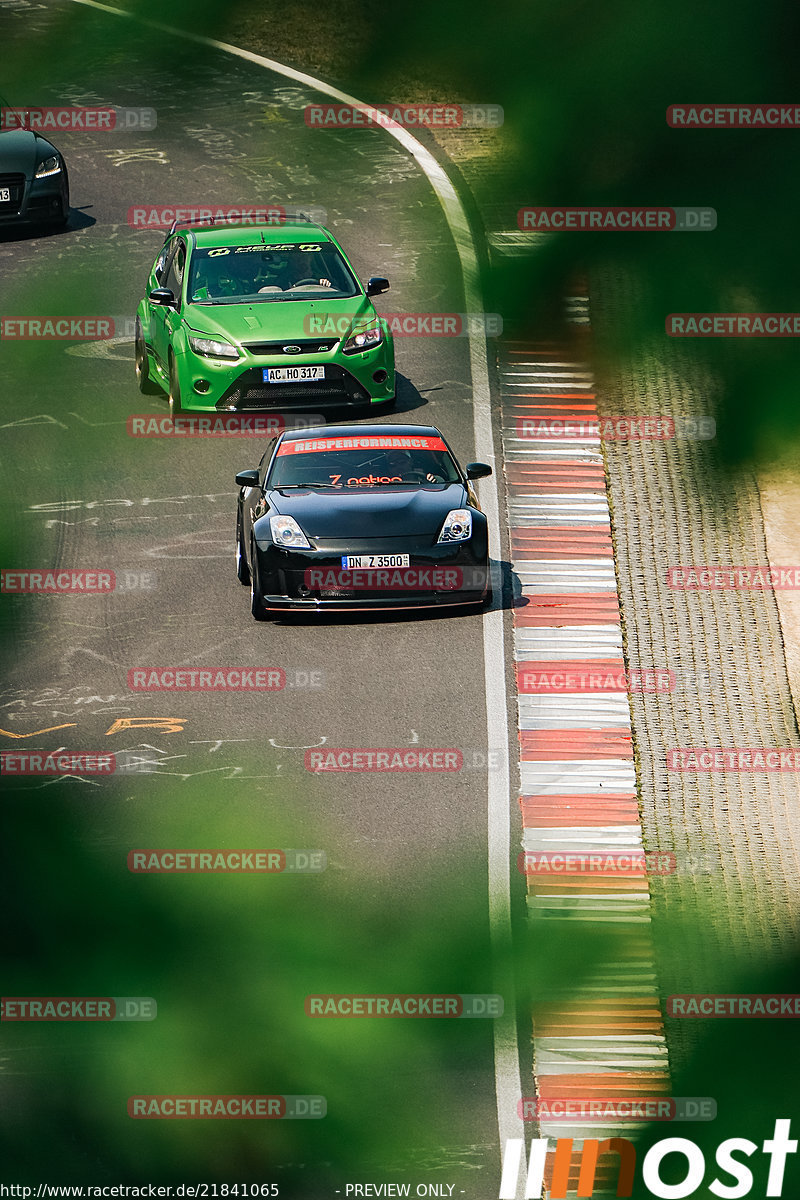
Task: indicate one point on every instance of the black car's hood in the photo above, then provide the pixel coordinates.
(21, 150)
(371, 512)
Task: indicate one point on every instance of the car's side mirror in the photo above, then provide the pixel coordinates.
(163, 296)
(377, 284)
(247, 479)
(478, 470)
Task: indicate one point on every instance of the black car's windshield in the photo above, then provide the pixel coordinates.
(264, 273)
(363, 462)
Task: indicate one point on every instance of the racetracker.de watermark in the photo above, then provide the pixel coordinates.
(657, 428)
(63, 328)
(226, 862)
(77, 583)
(387, 759)
(713, 758)
(766, 1004)
(733, 325)
(206, 679)
(570, 678)
(395, 579)
(662, 863)
(58, 583)
(412, 116)
(78, 1008)
(430, 324)
(616, 219)
(733, 116)
(629, 864)
(98, 119)
(147, 215)
(146, 425)
(58, 762)
(705, 578)
(616, 1108)
(238, 1107)
(415, 1004)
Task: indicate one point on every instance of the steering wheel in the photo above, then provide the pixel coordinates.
(300, 283)
(420, 475)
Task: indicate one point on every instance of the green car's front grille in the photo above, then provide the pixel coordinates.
(307, 346)
(249, 391)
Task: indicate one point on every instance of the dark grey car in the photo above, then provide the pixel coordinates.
(34, 184)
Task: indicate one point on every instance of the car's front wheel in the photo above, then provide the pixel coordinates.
(242, 569)
(147, 385)
(256, 595)
(175, 406)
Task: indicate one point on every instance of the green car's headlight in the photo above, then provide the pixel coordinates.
(286, 532)
(212, 347)
(363, 339)
(50, 166)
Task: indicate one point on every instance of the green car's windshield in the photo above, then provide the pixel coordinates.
(264, 273)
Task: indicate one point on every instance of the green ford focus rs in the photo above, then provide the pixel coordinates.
(239, 318)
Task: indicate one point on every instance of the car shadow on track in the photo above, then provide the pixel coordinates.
(505, 597)
(408, 398)
(78, 220)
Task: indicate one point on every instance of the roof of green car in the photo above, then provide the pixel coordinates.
(255, 235)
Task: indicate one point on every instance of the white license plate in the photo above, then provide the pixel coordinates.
(5, 194)
(292, 374)
(362, 562)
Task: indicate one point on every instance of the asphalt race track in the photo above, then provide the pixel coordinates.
(403, 904)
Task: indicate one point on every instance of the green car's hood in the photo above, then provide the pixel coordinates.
(275, 320)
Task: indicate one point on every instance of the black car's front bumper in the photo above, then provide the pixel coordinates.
(32, 200)
(315, 580)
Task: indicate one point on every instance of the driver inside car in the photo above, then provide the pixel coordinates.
(401, 462)
(305, 268)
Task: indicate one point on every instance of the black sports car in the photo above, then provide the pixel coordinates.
(34, 185)
(361, 516)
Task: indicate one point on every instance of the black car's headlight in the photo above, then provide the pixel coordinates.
(50, 166)
(287, 533)
(457, 526)
(212, 347)
(366, 338)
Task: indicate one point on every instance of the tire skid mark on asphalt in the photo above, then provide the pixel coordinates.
(604, 1035)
